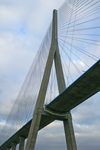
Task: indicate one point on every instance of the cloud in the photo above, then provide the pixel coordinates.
(52, 137)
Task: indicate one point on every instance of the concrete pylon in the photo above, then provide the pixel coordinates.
(21, 143)
(53, 54)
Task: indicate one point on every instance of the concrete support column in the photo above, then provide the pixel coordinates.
(69, 133)
(21, 143)
(13, 146)
(7, 148)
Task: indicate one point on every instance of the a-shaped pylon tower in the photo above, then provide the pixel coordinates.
(67, 120)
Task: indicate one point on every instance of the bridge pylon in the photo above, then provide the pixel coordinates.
(67, 119)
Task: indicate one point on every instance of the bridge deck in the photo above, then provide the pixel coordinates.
(83, 88)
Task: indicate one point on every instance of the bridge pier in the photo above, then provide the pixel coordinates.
(68, 126)
(21, 143)
(13, 146)
(69, 133)
(7, 148)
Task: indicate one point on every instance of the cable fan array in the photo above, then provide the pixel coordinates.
(78, 36)
(23, 108)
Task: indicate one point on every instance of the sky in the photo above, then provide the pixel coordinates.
(23, 24)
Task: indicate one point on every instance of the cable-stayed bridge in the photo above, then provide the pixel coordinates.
(70, 34)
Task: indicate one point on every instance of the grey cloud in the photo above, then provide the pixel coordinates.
(88, 112)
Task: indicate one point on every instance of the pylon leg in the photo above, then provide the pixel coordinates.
(40, 101)
(21, 143)
(69, 133)
(13, 146)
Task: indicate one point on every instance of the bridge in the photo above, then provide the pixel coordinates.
(39, 113)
